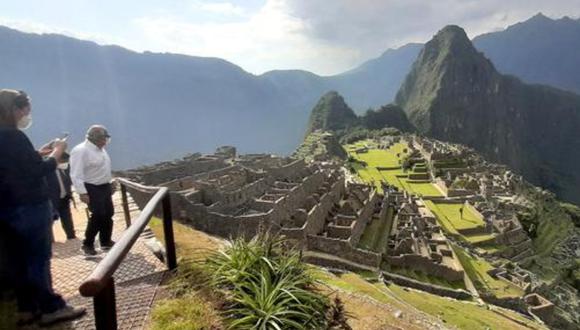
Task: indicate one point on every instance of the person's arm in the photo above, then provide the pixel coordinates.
(77, 166)
(29, 160)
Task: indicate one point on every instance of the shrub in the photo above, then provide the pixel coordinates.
(266, 286)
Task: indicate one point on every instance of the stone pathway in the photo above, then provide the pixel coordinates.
(136, 279)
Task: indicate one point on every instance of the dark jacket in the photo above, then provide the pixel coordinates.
(54, 186)
(22, 171)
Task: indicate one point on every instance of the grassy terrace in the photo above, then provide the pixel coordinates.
(394, 174)
(477, 271)
(459, 314)
(448, 214)
(452, 221)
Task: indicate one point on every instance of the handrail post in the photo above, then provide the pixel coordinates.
(105, 307)
(168, 232)
(125, 205)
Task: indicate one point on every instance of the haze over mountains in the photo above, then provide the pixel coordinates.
(159, 106)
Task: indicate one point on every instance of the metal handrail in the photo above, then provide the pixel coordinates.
(100, 283)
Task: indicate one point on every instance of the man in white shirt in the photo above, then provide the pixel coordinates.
(91, 176)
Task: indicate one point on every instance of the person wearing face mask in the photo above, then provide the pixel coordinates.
(59, 184)
(91, 177)
(25, 213)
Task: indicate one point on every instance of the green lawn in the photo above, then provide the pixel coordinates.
(451, 213)
(477, 271)
(426, 189)
(450, 219)
(391, 177)
(395, 175)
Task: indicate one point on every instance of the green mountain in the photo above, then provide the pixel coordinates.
(389, 115)
(332, 114)
(454, 93)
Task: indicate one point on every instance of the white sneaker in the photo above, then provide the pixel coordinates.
(64, 314)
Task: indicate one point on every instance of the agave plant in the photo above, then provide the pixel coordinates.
(268, 287)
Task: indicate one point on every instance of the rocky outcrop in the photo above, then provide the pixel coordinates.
(331, 113)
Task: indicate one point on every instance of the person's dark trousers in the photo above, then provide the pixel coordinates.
(7, 276)
(102, 211)
(31, 226)
(66, 220)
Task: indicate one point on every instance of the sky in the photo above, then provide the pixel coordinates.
(322, 36)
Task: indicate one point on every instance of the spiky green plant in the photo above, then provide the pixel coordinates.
(267, 286)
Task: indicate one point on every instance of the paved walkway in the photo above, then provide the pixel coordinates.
(136, 280)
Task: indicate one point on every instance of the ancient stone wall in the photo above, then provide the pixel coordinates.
(245, 194)
(425, 265)
(335, 263)
(182, 169)
(291, 172)
(225, 225)
(431, 288)
(363, 218)
(317, 216)
(343, 249)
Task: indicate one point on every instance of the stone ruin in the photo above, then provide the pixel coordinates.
(514, 275)
(540, 307)
(417, 241)
(241, 196)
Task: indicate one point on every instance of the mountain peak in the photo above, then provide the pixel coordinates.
(451, 39)
(539, 17)
(331, 113)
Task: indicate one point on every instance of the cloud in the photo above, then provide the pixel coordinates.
(269, 39)
(221, 8)
(322, 36)
(332, 36)
(376, 24)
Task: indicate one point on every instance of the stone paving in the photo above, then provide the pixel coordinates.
(136, 280)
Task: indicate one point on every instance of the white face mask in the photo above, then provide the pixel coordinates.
(25, 122)
(63, 166)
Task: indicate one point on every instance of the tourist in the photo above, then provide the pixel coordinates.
(91, 177)
(59, 184)
(25, 212)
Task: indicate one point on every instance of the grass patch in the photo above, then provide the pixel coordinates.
(451, 212)
(390, 158)
(378, 157)
(460, 314)
(189, 243)
(376, 234)
(463, 315)
(188, 312)
(477, 271)
(426, 189)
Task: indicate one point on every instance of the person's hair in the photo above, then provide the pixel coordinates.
(10, 101)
